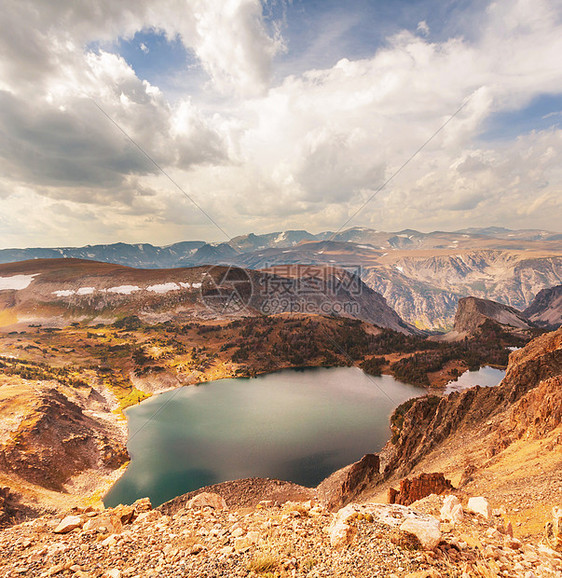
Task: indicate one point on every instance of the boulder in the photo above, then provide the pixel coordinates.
(68, 524)
(245, 542)
(142, 505)
(341, 529)
(426, 530)
(341, 533)
(104, 524)
(452, 510)
(207, 499)
(480, 506)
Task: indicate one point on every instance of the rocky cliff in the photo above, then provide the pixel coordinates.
(58, 443)
(546, 308)
(473, 313)
(421, 275)
(422, 425)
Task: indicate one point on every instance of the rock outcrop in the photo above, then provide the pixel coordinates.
(414, 489)
(473, 313)
(57, 440)
(422, 424)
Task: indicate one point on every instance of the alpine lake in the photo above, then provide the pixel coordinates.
(296, 425)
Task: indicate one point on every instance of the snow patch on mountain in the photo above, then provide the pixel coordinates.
(16, 282)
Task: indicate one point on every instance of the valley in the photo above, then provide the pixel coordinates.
(80, 342)
(57, 356)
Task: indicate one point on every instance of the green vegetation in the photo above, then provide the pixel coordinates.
(373, 366)
(129, 323)
(244, 347)
(489, 348)
(41, 371)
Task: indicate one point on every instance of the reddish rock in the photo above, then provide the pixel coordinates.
(413, 489)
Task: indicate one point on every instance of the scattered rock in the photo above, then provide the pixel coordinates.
(104, 524)
(341, 533)
(557, 528)
(452, 510)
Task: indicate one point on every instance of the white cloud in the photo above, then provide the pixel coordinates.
(423, 28)
(305, 152)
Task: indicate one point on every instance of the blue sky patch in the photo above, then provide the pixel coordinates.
(544, 112)
(154, 56)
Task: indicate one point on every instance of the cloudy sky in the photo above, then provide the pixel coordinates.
(276, 114)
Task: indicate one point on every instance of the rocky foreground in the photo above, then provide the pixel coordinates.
(434, 537)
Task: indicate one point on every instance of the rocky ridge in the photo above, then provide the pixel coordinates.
(56, 292)
(423, 424)
(473, 312)
(421, 275)
(59, 444)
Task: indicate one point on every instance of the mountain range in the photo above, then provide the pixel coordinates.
(421, 275)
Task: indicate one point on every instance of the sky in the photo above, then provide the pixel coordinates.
(166, 120)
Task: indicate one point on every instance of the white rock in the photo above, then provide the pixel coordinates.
(242, 544)
(480, 506)
(457, 515)
(68, 524)
(113, 573)
(341, 533)
(253, 537)
(557, 527)
(109, 541)
(207, 499)
(426, 531)
(347, 513)
(452, 509)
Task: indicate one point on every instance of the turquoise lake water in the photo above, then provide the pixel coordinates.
(297, 425)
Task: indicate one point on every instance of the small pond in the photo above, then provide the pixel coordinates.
(486, 377)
